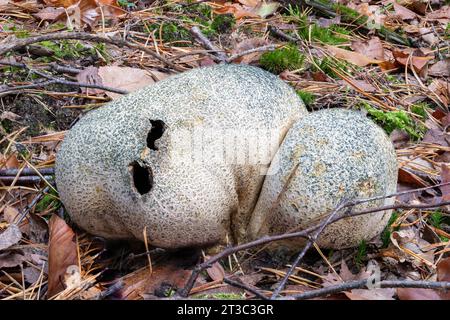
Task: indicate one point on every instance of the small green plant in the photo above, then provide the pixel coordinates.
(50, 200)
(361, 253)
(278, 60)
(436, 219)
(391, 120)
(307, 97)
(386, 234)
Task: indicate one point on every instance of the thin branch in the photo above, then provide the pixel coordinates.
(24, 180)
(269, 47)
(241, 285)
(299, 234)
(20, 43)
(308, 245)
(361, 284)
(26, 172)
(29, 207)
(63, 82)
(207, 44)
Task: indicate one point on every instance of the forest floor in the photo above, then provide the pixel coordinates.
(61, 58)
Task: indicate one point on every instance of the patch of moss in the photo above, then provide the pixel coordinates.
(278, 60)
(7, 125)
(223, 23)
(391, 120)
(311, 31)
(50, 200)
(66, 49)
(170, 31)
(220, 296)
(307, 97)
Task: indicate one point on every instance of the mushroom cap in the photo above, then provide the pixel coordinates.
(159, 158)
(328, 156)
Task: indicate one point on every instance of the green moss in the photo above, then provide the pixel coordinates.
(391, 120)
(220, 296)
(223, 23)
(278, 60)
(436, 219)
(7, 125)
(66, 49)
(386, 234)
(126, 4)
(310, 31)
(326, 65)
(170, 31)
(50, 200)
(307, 97)
(420, 109)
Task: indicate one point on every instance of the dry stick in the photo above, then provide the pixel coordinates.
(20, 43)
(311, 241)
(26, 179)
(245, 287)
(53, 66)
(61, 81)
(26, 172)
(280, 34)
(269, 47)
(359, 284)
(35, 200)
(299, 234)
(207, 44)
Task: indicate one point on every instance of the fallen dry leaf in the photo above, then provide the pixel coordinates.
(62, 253)
(352, 56)
(8, 115)
(169, 273)
(402, 12)
(10, 214)
(90, 75)
(216, 272)
(249, 9)
(11, 259)
(445, 178)
(441, 14)
(10, 237)
(50, 14)
(442, 89)
(443, 274)
(372, 48)
(249, 44)
(126, 78)
(440, 68)
(417, 58)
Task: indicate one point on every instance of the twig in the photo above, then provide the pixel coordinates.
(359, 284)
(269, 47)
(280, 34)
(207, 44)
(26, 172)
(52, 66)
(20, 43)
(299, 234)
(111, 290)
(245, 287)
(310, 242)
(25, 180)
(63, 82)
(30, 206)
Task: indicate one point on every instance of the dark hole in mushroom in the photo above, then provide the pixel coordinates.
(156, 132)
(142, 178)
